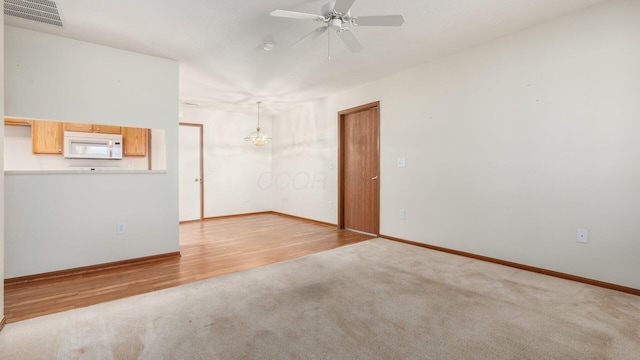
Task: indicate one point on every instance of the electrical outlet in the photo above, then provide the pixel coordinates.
(403, 214)
(121, 228)
(582, 236)
(402, 162)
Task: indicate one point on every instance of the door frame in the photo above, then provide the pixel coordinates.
(341, 148)
(200, 126)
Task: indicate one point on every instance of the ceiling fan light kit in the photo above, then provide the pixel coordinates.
(335, 15)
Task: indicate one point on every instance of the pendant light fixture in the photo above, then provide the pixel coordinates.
(258, 137)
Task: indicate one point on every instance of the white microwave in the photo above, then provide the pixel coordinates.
(79, 145)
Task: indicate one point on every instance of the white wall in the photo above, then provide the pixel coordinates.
(237, 174)
(511, 146)
(305, 162)
(158, 149)
(60, 221)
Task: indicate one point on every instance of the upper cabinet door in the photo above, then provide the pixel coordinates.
(46, 137)
(107, 129)
(78, 127)
(134, 141)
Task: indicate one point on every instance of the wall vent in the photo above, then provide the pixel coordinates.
(42, 11)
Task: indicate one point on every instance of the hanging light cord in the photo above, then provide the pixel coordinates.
(259, 115)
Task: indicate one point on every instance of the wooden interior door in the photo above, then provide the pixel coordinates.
(359, 194)
(191, 199)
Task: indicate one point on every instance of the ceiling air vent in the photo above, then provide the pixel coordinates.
(42, 11)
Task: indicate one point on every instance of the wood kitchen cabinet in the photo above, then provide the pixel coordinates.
(96, 128)
(46, 137)
(134, 141)
(16, 121)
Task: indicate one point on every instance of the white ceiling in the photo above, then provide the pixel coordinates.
(218, 42)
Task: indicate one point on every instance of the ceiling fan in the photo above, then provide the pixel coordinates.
(335, 15)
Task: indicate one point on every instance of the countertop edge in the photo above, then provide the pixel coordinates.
(81, 172)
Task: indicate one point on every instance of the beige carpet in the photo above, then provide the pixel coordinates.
(373, 300)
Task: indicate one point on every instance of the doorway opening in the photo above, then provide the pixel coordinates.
(191, 178)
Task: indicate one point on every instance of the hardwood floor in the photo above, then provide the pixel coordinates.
(209, 248)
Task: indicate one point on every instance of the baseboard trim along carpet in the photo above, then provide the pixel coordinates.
(538, 270)
(87, 269)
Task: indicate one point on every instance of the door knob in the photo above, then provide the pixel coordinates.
(375, 177)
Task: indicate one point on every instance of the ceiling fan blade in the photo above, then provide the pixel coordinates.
(350, 40)
(296, 15)
(343, 6)
(312, 35)
(379, 20)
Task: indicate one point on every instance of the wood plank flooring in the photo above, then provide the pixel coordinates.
(209, 248)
